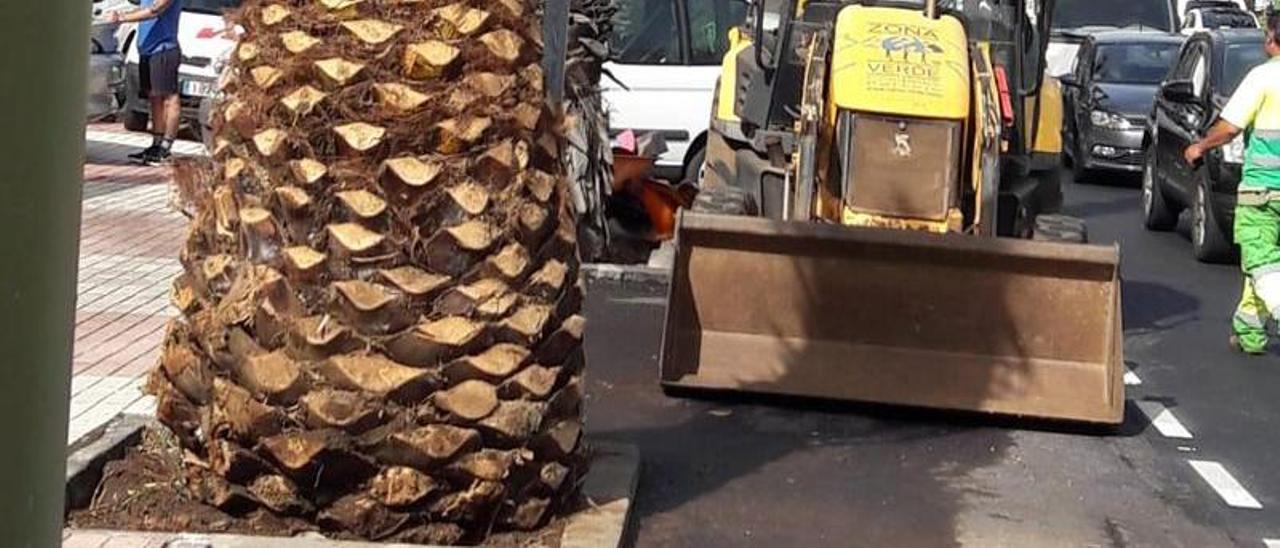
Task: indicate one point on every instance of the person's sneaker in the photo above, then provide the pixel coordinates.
(141, 156)
(157, 157)
(1234, 343)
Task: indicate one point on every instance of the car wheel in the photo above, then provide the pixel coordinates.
(694, 170)
(134, 120)
(1156, 213)
(1068, 148)
(1207, 240)
(1079, 173)
(200, 133)
(206, 137)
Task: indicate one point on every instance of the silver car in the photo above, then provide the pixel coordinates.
(106, 63)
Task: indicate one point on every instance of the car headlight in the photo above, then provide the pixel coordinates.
(1233, 153)
(1107, 120)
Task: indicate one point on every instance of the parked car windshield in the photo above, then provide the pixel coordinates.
(1074, 14)
(1133, 63)
(646, 32)
(709, 24)
(1240, 59)
(214, 7)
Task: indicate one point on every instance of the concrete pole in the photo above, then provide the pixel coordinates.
(44, 48)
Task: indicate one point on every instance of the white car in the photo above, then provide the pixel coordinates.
(667, 54)
(205, 46)
(106, 64)
(1201, 15)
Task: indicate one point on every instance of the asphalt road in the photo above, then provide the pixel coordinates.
(746, 473)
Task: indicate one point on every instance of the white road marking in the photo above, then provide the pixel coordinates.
(1271, 543)
(1131, 378)
(1234, 494)
(1163, 420)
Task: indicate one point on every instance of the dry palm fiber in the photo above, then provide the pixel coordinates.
(380, 322)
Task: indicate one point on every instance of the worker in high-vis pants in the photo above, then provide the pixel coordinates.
(1249, 324)
(1255, 106)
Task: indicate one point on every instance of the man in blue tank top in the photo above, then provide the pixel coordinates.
(159, 57)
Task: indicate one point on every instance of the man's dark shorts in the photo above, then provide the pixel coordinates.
(158, 73)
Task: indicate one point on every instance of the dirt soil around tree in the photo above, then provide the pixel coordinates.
(150, 490)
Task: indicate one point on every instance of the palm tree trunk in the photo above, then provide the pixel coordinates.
(380, 323)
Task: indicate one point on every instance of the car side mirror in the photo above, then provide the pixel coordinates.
(1178, 91)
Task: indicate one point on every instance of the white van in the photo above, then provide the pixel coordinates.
(1201, 15)
(667, 54)
(205, 47)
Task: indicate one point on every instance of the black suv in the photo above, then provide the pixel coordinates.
(1108, 98)
(1209, 67)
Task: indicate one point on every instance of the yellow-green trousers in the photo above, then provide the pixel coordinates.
(1250, 320)
(1257, 231)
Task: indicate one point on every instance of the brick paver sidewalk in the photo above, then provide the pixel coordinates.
(129, 241)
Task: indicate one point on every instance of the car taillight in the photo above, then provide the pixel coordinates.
(1006, 98)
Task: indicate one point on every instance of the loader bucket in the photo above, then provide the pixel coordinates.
(960, 322)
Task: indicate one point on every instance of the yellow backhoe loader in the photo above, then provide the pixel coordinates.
(888, 171)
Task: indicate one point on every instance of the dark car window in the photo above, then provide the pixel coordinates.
(646, 32)
(1187, 62)
(709, 24)
(1217, 19)
(1133, 63)
(1072, 14)
(1237, 62)
(215, 7)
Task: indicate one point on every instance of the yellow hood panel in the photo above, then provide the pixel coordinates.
(898, 61)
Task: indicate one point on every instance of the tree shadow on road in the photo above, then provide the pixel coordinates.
(1150, 307)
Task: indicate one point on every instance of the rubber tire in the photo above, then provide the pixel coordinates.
(1068, 147)
(1078, 172)
(1208, 243)
(1060, 228)
(693, 170)
(197, 132)
(134, 120)
(1156, 213)
(726, 200)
